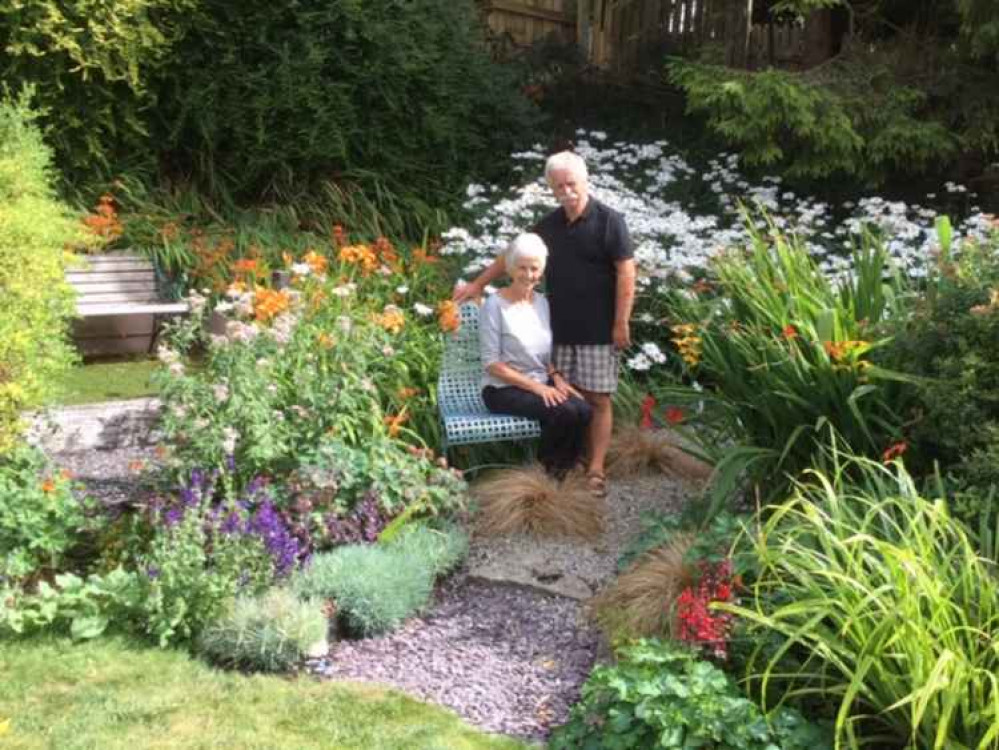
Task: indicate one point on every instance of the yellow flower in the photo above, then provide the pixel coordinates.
(4, 727)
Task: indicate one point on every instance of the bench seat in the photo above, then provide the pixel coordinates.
(464, 416)
(117, 303)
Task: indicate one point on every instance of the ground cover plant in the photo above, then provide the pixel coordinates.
(882, 607)
(660, 695)
(113, 694)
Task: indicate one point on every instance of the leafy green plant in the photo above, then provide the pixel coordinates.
(883, 607)
(85, 607)
(270, 633)
(660, 695)
(779, 353)
(35, 307)
(40, 517)
(373, 588)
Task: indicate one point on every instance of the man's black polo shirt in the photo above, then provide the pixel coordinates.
(581, 278)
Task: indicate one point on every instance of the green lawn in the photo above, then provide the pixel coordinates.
(112, 695)
(108, 381)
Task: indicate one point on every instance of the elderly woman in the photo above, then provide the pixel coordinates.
(516, 341)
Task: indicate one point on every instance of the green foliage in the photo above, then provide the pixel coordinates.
(952, 342)
(440, 550)
(782, 353)
(980, 28)
(270, 633)
(712, 543)
(864, 126)
(93, 65)
(35, 301)
(40, 519)
(885, 603)
(374, 588)
(83, 608)
(660, 695)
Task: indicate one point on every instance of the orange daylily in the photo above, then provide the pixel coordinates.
(269, 303)
(448, 316)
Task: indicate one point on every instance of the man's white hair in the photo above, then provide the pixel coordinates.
(566, 160)
(526, 245)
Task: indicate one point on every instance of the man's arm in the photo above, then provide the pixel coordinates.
(473, 289)
(624, 300)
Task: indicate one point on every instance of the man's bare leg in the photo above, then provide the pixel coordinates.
(598, 435)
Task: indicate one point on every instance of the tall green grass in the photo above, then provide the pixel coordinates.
(882, 608)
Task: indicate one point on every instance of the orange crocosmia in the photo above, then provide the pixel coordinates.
(268, 303)
(48, 485)
(316, 262)
(789, 332)
(448, 316)
(407, 393)
(339, 236)
(648, 404)
(386, 252)
(675, 415)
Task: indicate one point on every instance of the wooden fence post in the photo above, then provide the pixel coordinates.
(738, 26)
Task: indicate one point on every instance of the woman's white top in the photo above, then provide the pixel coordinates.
(518, 334)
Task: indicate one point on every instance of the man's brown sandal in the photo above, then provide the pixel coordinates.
(597, 484)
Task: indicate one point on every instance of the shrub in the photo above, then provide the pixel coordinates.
(35, 301)
(884, 604)
(270, 633)
(40, 518)
(440, 550)
(660, 695)
(373, 588)
(952, 343)
(845, 124)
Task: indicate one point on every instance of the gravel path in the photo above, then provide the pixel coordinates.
(508, 659)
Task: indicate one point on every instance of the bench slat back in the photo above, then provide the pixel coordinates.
(459, 387)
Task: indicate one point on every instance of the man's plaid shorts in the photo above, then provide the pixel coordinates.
(592, 367)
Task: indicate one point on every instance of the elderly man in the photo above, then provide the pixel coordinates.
(590, 283)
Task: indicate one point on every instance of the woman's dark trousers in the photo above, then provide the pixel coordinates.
(563, 427)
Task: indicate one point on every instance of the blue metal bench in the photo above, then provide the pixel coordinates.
(465, 418)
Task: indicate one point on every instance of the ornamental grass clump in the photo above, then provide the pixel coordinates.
(635, 450)
(640, 601)
(528, 500)
(882, 608)
(269, 633)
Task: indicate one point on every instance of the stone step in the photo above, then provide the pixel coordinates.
(105, 426)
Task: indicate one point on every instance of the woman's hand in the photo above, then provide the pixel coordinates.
(550, 395)
(564, 386)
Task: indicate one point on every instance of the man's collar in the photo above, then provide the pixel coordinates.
(587, 210)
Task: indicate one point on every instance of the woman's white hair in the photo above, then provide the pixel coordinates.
(526, 245)
(566, 160)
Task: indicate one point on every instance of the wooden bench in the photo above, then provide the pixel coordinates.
(464, 416)
(118, 304)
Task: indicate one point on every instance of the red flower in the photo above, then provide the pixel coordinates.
(675, 415)
(789, 332)
(894, 450)
(648, 404)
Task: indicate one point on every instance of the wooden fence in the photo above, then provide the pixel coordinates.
(527, 21)
(626, 35)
